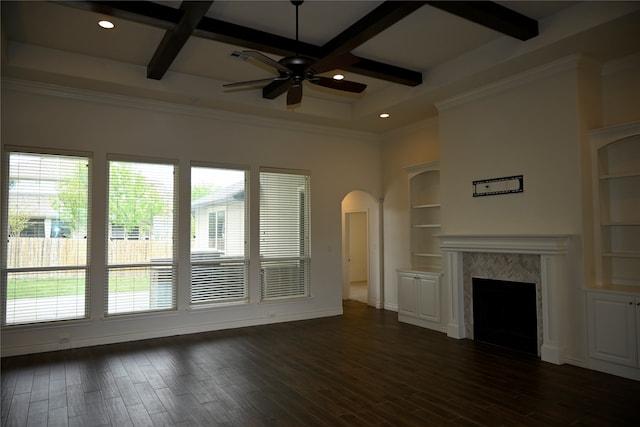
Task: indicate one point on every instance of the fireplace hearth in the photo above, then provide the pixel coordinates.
(505, 314)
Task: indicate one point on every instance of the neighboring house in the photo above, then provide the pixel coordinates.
(26, 189)
(219, 222)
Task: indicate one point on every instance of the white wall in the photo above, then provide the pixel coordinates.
(358, 247)
(621, 91)
(529, 130)
(41, 116)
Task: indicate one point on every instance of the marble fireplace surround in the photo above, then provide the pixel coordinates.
(552, 250)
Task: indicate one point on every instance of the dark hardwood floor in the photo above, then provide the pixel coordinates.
(361, 369)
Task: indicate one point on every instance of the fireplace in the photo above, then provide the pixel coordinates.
(540, 259)
(505, 314)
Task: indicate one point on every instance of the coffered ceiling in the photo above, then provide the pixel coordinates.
(409, 54)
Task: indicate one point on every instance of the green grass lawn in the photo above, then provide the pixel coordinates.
(18, 288)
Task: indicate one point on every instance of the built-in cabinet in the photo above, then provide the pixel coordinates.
(419, 286)
(419, 298)
(613, 300)
(614, 332)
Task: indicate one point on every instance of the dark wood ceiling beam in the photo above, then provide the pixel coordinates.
(382, 71)
(238, 35)
(492, 15)
(370, 25)
(226, 32)
(166, 17)
(175, 39)
(485, 13)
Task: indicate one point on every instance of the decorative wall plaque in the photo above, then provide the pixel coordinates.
(495, 186)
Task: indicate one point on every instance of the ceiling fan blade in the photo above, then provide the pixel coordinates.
(275, 89)
(294, 95)
(262, 58)
(253, 82)
(333, 62)
(345, 85)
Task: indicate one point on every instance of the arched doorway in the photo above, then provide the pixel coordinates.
(361, 243)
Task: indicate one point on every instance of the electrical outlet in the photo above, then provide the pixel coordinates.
(64, 342)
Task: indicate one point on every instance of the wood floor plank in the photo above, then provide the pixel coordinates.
(57, 417)
(24, 381)
(75, 400)
(149, 398)
(117, 412)
(362, 368)
(140, 417)
(18, 410)
(127, 391)
(38, 413)
(57, 391)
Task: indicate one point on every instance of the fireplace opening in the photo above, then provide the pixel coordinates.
(505, 314)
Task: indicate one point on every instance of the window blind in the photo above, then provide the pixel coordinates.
(219, 226)
(284, 234)
(46, 221)
(141, 244)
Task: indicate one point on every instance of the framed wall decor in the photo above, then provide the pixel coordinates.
(495, 186)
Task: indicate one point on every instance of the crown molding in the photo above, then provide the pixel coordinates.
(571, 62)
(85, 95)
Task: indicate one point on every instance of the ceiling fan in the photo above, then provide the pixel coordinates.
(293, 70)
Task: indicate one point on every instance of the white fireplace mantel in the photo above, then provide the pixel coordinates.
(506, 243)
(553, 250)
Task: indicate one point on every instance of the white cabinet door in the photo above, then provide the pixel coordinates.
(613, 334)
(428, 298)
(407, 295)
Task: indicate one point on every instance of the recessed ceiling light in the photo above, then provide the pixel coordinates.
(338, 77)
(385, 115)
(106, 24)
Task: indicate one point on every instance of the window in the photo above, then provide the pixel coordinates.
(43, 278)
(284, 234)
(217, 228)
(219, 249)
(141, 248)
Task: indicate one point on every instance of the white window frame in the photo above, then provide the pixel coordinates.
(5, 270)
(159, 268)
(239, 265)
(284, 277)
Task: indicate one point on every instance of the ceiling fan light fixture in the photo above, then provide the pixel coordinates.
(384, 115)
(106, 24)
(294, 70)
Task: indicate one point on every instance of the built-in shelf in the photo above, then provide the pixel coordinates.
(424, 198)
(616, 171)
(621, 175)
(622, 254)
(432, 205)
